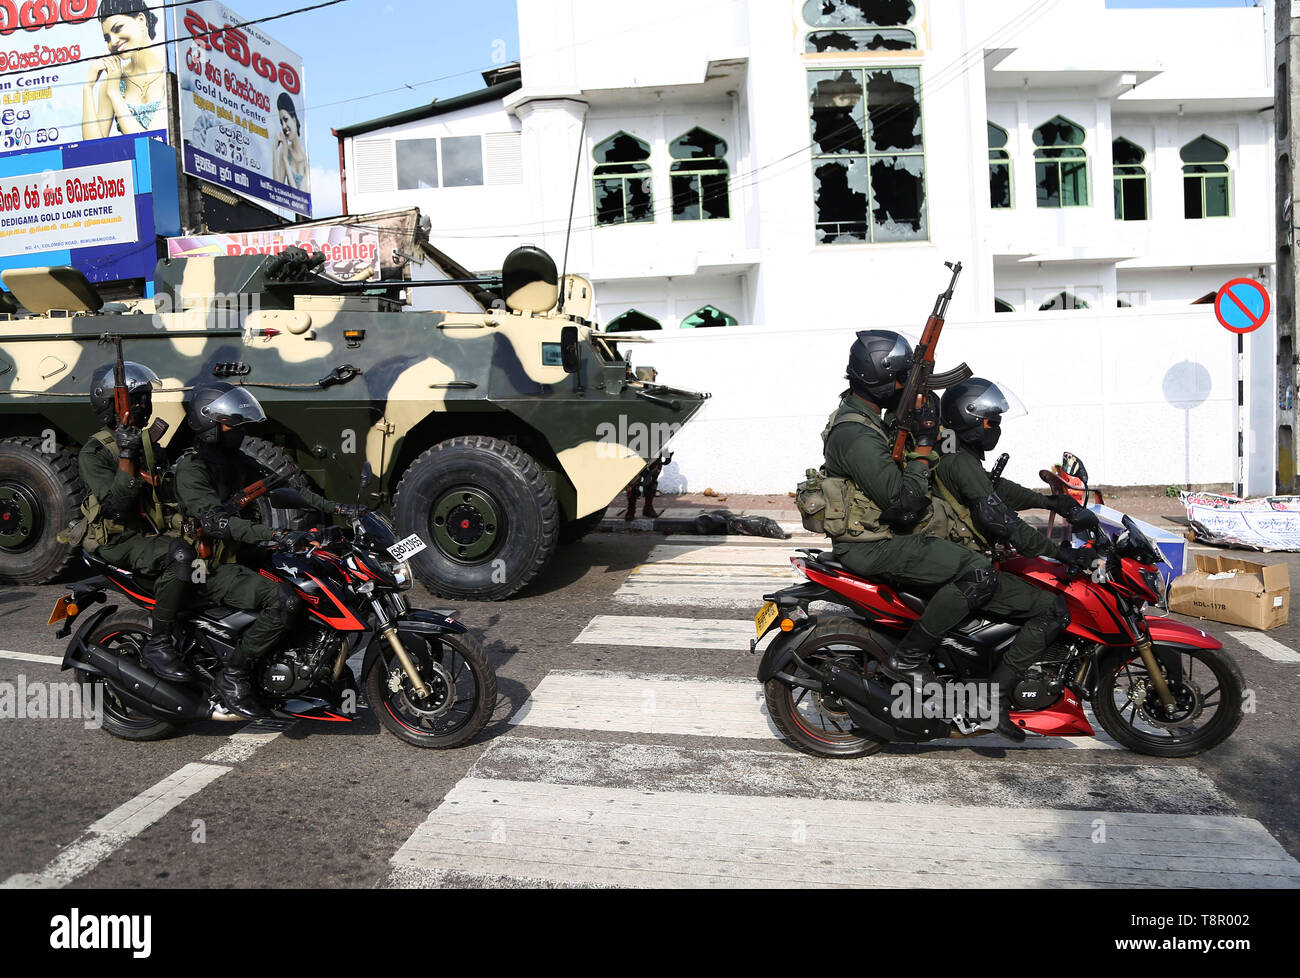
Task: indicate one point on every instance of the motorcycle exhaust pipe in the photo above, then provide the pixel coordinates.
(141, 689)
(872, 707)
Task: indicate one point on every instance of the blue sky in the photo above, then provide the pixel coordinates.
(355, 50)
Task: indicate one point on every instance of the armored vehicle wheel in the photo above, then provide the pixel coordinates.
(487, 513)
(40, 494)
(571, 531)
(273, 460)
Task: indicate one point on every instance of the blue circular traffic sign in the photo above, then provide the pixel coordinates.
(1242, 305)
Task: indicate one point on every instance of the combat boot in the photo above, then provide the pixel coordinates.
(160, 657)
(910, 661)
(235, 688)
(1005, 679)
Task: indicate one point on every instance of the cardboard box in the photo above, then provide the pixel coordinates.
(1235, 592)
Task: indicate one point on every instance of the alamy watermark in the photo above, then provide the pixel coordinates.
(647, 440)
(937, 701)
(22, 700)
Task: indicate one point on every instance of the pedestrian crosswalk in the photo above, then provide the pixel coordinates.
(621, 779)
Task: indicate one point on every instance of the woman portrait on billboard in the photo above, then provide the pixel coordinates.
(291, 165)
(126, 89)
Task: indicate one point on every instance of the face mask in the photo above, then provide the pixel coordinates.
(989, 437)
(231, 440)
(891, 402)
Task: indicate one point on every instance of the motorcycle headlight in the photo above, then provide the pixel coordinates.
(402, 575)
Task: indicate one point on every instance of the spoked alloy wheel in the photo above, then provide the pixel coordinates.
(1207, 703)
(125, 634)
(461, 682)
(817, 723)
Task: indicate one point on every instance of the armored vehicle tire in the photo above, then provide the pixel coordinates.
(273, 460)
(487, 513)
(40, 494)
(571, 531)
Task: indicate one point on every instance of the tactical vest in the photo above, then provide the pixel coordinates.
(94, 530)
(963, 531)
(836, 506)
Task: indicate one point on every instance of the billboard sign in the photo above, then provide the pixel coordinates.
(243, 118)
(350, 252)
(64, 209)
(78, 70)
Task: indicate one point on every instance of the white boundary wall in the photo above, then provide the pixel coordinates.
(1144, 398)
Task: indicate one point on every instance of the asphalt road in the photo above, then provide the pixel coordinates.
(633, 757)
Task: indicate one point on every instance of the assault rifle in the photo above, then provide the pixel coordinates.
(122, 408)
(922, 379)
(233, 507)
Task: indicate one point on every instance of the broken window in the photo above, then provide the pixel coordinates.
(999, 168)
(1063, 300)
(699, 177)
(1205, 178)
(819, 42)
(622, 181)
(1130, 181)
(1001, 305)
(417, 164)
(868, 157)
(707, 317)
(1206, 300)
(1060, 164)
(858, 13)
(632, 321)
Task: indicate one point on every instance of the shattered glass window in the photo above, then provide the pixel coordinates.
(1130, 180)
(417, 164)
(820, 42)
(1063, 300)
(868, 156)
(699, 177)
(858, 13)
(1060, 164)
(707, 317)
(1205, 178)
(621, 181)
(632, 321)
(1001, 305)
(999, 168)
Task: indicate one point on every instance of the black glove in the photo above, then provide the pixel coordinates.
(1077, 561)
(129, 441)
(924, 426)
(1079, 517)
(295, 540)
(350, 511)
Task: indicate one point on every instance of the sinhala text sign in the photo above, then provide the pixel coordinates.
(60, 210)
(78, 70)
(243, 118)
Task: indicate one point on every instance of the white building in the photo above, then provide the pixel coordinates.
(803, 168)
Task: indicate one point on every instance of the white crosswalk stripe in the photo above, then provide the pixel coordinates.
(1265, 646)
(710, 575)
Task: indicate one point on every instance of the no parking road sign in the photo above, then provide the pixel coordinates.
(1242, 305)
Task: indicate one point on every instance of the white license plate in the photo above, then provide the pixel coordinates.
(408, 548)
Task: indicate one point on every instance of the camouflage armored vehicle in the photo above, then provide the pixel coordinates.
(496, 434)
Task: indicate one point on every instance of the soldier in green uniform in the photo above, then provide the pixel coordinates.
(973, 412)
(206, 479)
(123, 516)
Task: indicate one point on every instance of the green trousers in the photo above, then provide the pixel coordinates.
(906, 561)
(147, 556)
(238, 587)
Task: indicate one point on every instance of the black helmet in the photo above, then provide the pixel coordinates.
(974, 409)
(140, 382)
(878, 360)
(211, 406)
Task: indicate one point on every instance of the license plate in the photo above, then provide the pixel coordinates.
(763, 620)
(407, 548)
(60, 612)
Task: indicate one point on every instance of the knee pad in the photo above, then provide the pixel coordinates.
(977, 586)
(180, 560)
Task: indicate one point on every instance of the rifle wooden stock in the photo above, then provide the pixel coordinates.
(918, 380)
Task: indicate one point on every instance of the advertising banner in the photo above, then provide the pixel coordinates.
(243, 117)
(79, 70)
(350, 252)
(88, 207)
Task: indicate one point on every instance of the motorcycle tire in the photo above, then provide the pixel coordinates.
(390, 695)
(1121, 670)
(803, 716)
(126, 633)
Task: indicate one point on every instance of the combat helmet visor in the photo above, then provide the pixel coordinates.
(235, 407)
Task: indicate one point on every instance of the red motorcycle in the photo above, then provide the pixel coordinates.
(1156, 686)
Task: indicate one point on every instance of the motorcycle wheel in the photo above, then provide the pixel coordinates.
(125, 633)
(1125, 703)
(462, 682)
(817, 723)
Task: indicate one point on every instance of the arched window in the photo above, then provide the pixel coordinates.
(1001, 305)
(632, 321)
(1060, 164)
(999, 168)
(699, 177)
(1130, 181)
(1205, 178)
(622, 181)
(859, 25)
(1063, 300)
(708, 316)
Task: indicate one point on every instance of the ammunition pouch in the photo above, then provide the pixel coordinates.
(837, 508)
(93, 530)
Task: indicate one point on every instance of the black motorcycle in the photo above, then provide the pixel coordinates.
(425, 676)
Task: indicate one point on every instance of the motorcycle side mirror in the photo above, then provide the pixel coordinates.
(288, 499)
(367, 474)
(569, 349)
(1074, 466)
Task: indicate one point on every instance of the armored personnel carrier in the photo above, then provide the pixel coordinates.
(495, 434)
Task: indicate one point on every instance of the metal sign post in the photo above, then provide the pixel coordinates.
(1242, 306)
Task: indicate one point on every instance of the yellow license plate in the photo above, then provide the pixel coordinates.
(763, 620)
(60, 611)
